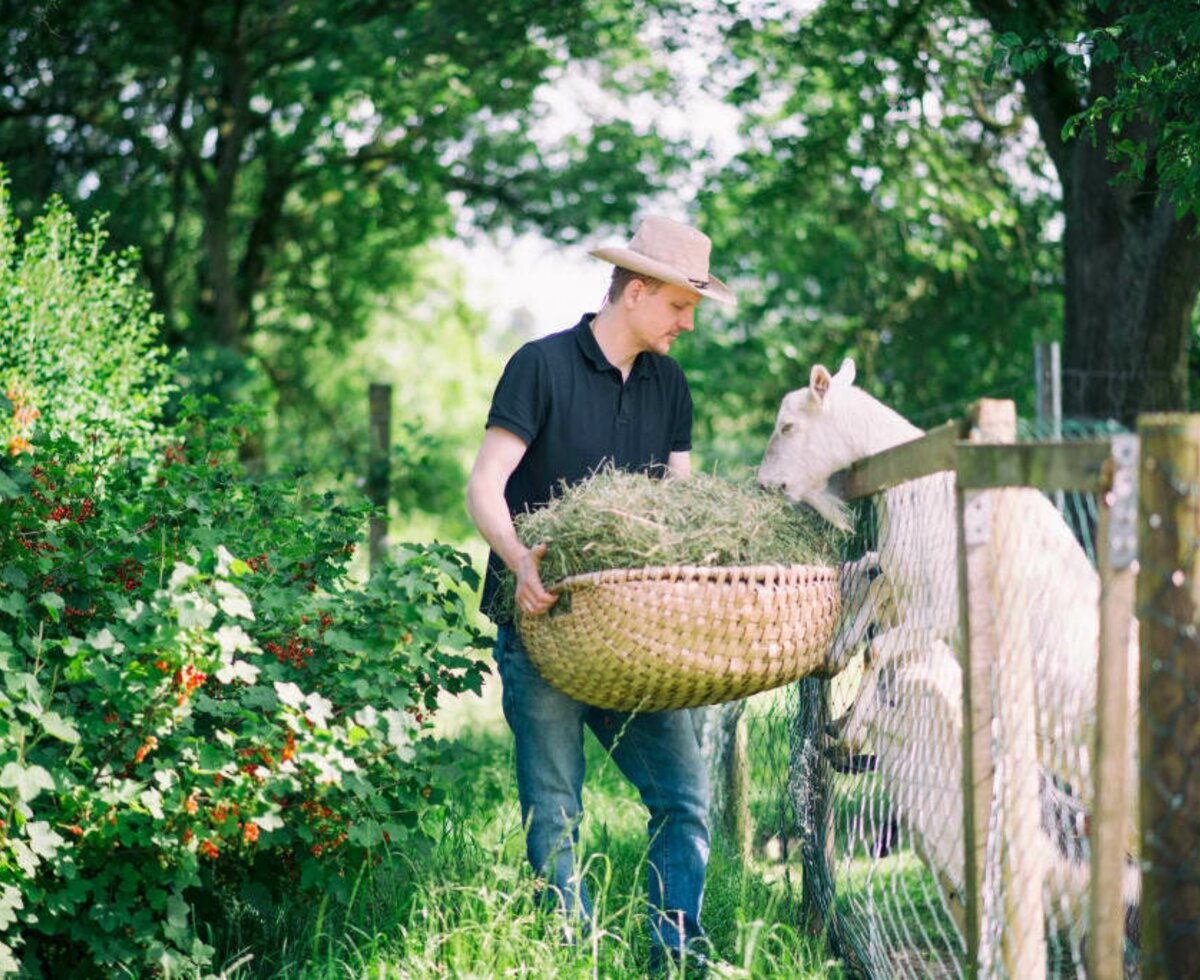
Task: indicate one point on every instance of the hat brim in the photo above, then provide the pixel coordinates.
(637, 262)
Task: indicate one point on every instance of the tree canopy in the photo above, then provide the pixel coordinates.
(928, 186)
(275, 162)
(911, 193)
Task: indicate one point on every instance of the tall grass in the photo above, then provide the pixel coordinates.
(468, 906)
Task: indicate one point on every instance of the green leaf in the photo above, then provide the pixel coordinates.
(269, 821)
(14, 604)
(11, 899)
(8, 489)
(194, 611)
(290, 694)
(177, 918)
(57, 726)
(24, 856)
(54, 604)
(231, 638)
(43, 840)
(233, 601)
(152, 800)
(28, 781)
(239, 670)
(14, 577)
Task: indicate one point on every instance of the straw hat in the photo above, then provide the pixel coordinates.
(673, 252)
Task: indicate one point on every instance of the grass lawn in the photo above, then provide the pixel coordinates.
(466, 907)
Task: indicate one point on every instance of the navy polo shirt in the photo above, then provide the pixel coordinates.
(572, 410)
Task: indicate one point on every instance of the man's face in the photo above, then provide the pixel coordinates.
(661, 315)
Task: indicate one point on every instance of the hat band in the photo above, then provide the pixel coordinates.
(700, 283)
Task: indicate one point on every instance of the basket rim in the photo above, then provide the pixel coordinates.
(712, 574)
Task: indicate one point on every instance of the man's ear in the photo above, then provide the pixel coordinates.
(634, 290)
(818, 382)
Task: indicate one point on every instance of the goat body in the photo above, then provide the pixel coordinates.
(1043, 593)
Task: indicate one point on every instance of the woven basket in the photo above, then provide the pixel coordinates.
(681, 636)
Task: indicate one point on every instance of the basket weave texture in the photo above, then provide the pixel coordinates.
(680, 636)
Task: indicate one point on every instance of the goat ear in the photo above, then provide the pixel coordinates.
(819, 381)
(845, 374)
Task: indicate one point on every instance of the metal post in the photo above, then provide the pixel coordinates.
(379, 466)
(1047, 370)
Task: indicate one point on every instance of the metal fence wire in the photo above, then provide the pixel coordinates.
(856, 781)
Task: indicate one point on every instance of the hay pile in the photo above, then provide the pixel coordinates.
(617, 519)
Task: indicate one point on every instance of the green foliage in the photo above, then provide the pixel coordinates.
(78, 354)
(197, 694)
(470, 906)
(886, 206)
(431, 347)
(1148, 115)
(276, 163)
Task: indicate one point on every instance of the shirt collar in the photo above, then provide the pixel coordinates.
(595, 356)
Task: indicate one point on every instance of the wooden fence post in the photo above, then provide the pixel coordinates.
(998, 698)
(736, 768)
(978, 653)
(1116, 550)
(1168, 602)
(379, 466)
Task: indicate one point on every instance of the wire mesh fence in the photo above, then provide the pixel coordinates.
(861, 786)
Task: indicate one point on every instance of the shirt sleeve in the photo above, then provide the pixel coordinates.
(519, 403)
(681, 430)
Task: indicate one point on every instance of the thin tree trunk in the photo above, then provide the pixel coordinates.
(226, 325)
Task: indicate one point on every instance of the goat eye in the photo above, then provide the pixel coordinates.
(786, 428)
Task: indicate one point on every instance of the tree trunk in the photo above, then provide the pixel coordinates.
(1131, 268)
(220, 282)
(1132, 271)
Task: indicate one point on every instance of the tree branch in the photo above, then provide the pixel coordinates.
(1052, 95)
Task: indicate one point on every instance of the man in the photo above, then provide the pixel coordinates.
(604, 390)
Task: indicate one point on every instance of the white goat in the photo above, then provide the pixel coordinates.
(1045, 594)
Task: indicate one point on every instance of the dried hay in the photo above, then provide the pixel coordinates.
(618, 519)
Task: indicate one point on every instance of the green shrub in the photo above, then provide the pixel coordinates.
(198, 697)
(195, 692)
(78, 353)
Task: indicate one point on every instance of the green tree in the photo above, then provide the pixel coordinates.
(883, 117)
(275, 162)
(884, 207)
(1121, 82)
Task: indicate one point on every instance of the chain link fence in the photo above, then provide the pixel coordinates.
(923, 832)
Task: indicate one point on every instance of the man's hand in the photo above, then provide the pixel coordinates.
(531, 597)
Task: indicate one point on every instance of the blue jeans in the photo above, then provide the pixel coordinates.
(657, 752)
